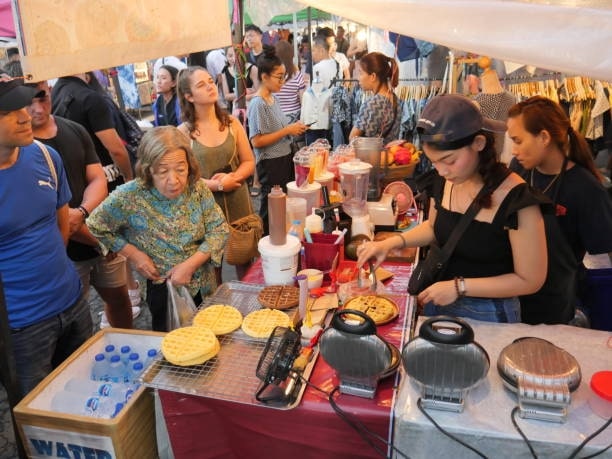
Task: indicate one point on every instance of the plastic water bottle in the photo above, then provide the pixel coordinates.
(120, 393)
(116, 370)
(109, 351)
(150, 356)
(134, 372)
(99, 370)
(125, 352)
(85, 405)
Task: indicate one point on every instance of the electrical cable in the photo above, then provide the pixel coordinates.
(448, 434)
(355, 423)
(518, 429)
(589, 438)
(598, 452)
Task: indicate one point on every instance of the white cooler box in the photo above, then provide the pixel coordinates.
(46, 433)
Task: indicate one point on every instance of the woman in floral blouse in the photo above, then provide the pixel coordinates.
(166, 222)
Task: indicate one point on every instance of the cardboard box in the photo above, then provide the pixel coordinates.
(47, 433)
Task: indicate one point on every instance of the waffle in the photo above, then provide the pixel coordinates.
(220, 318)
(260, 323)
(190, 346)
(379, 308)
(279, 296)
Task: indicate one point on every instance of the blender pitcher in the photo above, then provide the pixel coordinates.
(369, 149)
(354, 179)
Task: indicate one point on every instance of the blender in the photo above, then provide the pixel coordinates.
(368, 149)
(355, 180)
(379, 205)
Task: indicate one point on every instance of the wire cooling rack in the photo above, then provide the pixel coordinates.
(231, 374)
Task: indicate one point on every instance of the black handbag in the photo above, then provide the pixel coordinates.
(431, 269)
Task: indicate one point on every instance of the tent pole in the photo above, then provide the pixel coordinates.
(310, 43)
(237, 41)
(8, 372)
(296, 59)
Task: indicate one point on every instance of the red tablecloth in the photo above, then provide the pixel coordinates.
(200, 427)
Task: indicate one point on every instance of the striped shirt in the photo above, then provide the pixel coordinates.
(289, 95)
(265, 119)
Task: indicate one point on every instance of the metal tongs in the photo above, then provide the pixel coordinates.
(371, 277)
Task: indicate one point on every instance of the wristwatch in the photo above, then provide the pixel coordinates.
(219, 185)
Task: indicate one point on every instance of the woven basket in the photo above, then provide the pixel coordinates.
(245, 234)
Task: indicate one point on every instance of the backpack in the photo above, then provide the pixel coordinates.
(133, 134)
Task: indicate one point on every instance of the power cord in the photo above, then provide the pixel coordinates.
(355, 423)
(448, 434)
(576, 450)
(589, 438)
(518, 429)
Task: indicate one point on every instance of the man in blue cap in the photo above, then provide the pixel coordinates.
(48, 317)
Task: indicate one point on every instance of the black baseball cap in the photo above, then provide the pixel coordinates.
(451, 117)
(14, 95)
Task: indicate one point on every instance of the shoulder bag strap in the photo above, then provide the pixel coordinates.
(465, 220)
(47, 156)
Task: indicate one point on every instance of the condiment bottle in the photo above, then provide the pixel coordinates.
(314, 223)
(277, 214)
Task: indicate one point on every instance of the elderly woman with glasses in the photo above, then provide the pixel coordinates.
(269, 130)
(166, 222)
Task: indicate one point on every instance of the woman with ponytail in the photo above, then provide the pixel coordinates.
(556, 160)
(379, 116)
(502, 252)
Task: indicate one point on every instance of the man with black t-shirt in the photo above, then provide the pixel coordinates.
(74, 99)
(88, 186)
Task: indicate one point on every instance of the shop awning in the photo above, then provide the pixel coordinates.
(302, 15)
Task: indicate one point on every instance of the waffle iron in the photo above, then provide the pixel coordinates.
(542, 375)
(358, 355)
(445, 362)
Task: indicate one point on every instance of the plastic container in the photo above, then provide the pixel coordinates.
(310, 192)
(313, 276)
(277, 216)
(314, 223)
(296, 210)
(600, 399)
(326, 179)
(296, 229)
(279, 262)
(119, 392)
(85, 405)
(99, 369)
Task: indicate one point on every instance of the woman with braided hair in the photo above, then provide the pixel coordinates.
(379, 116)
(556, 160)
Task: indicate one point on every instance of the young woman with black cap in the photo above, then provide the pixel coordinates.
(502, 253)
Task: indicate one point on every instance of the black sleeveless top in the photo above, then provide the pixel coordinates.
(484, 249)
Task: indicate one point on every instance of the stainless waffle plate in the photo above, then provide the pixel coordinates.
(231, 374)
(542, 375)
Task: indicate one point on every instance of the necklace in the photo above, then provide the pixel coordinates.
(549, 183)
(450, 197)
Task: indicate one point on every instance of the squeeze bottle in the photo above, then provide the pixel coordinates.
(314, 223)
(277, 214)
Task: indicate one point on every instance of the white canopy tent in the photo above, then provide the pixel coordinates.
(570, 36)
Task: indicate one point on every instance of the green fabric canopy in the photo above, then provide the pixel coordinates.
(302, 15)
